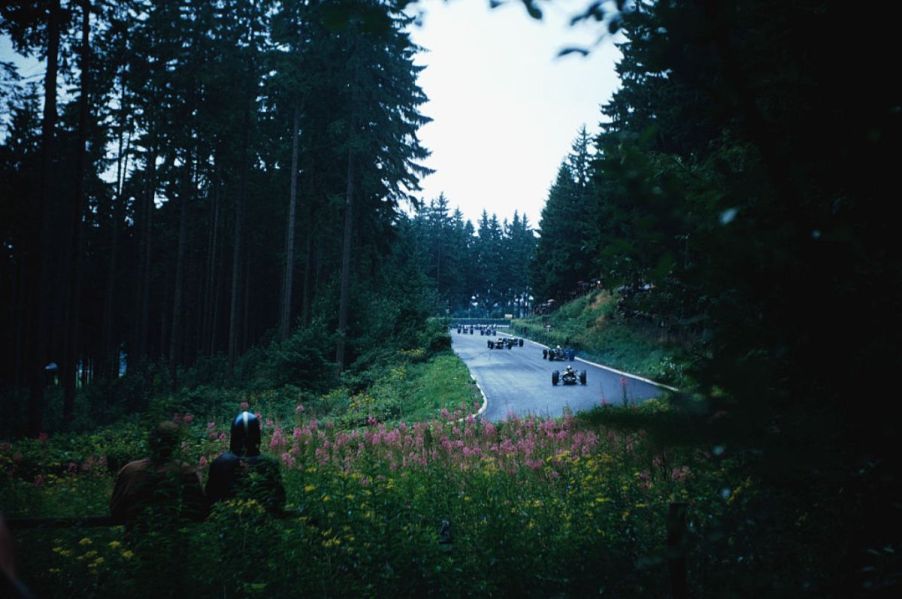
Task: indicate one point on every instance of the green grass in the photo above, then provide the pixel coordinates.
(591, 326)
(423, 390)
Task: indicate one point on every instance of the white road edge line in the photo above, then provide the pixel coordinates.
(485, 402)
(602, 366)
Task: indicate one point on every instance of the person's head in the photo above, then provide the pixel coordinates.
(245, 440)
(163, 441)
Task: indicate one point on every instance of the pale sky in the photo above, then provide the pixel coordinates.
(505, 110)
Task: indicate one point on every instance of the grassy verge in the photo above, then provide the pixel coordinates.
(590, 325)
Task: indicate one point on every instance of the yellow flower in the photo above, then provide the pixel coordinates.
(115, 544)
(54, 570)
(85, 541)
(128, 554)
(308, 488)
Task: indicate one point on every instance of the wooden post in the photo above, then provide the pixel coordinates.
(676, 550)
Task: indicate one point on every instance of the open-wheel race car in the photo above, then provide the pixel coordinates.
(556, 353)
(568, 377)
(505, 342)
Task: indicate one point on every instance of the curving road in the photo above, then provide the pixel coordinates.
(518, 381)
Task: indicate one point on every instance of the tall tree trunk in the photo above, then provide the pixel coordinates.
(246, 303)
(147, 210)
(110, 351)
(205, 347)
(37, 339)
(73, 321)
(288, 276)
(308, 272)
(236, 253)
(344, 298)
(175, 336)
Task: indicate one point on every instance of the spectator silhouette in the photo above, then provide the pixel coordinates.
(243, 473)
(158, 489)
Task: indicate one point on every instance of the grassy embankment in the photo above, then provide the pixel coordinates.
(590, 325)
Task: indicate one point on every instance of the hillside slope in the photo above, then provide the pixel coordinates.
(592, 325)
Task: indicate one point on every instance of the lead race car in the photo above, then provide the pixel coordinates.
(500, 343)
(569, 377)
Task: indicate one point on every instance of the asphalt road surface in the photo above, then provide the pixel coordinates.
(518, 381)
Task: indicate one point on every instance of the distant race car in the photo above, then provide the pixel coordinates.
(568, 377)
(556, 353)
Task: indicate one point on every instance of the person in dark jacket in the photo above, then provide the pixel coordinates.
(158, 487)
(243, 473)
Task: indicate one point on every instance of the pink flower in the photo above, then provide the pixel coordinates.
(188, 418)
(202, 462)
(277, 440)
(299, 408)
(680, 474)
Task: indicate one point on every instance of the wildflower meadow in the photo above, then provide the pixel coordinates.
(453, 506)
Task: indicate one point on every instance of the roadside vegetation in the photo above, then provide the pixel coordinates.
(449, 506)
(592, 325)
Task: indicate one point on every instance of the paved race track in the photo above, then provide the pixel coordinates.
(518, 381)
